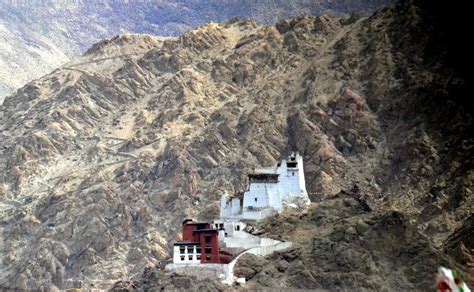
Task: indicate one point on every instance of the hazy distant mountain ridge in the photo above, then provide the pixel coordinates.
(37, 36)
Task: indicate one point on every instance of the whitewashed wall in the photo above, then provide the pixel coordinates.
(234, 228)
(245, 243)
(177, 255)
(269, 249)
(256, 215)
(203, 271)
(236, 208)
(265, 170)
(302, 181)
(258, 195)
(268, 197)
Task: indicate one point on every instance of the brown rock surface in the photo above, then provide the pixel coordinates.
(339, 246)
(103, 158)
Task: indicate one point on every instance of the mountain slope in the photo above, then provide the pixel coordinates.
(38, 36)
(104, 157)
(25, 54)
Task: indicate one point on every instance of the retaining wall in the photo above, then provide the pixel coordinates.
(225, 272)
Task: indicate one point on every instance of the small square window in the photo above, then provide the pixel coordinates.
(190, 249)
(190, 257)
(181, 250)
(182, 258)
(198, 249)
(208, 258)
(255, 199)
(198, 257)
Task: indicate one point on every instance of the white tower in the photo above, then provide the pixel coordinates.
(270, 190)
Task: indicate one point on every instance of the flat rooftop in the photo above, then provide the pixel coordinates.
(186, 243)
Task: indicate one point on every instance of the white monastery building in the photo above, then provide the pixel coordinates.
(270, 190)
(215, 247)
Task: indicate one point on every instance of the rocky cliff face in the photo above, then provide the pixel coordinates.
(339, 246)
(103, 158)
(38, 36)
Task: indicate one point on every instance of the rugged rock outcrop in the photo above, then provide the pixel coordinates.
(36, 38)
(103, 158)
(340, 246)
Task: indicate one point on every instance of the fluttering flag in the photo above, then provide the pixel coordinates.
(448, 280)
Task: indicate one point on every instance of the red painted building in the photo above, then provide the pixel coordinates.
(208, 238)
(189, 227)
(200, 243)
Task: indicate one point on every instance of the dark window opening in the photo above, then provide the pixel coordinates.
(207, 239)
(293, 173)
(221, 226)
(182, 258)
(291, 164)
(181, 249)
(198, 249)
(190, 249)
(208, 250)
(208, 258)
(237, 227)
(198, 257)
(190, 257)
(256, 199)
(225, 234)
(263, 177)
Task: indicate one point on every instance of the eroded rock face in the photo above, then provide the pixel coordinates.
(338, 245)
(154, 279)
(104, 157)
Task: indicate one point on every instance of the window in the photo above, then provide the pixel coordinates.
(208, 250)
(198, 257)
(208, 258)
(190, 257)
(198, 249)
(256, 199)
(237, 227)
(293, 173)
(221, 226)
(207, 239)
(291, 164)
(182, 258)
(190, 249)
(181, 249)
